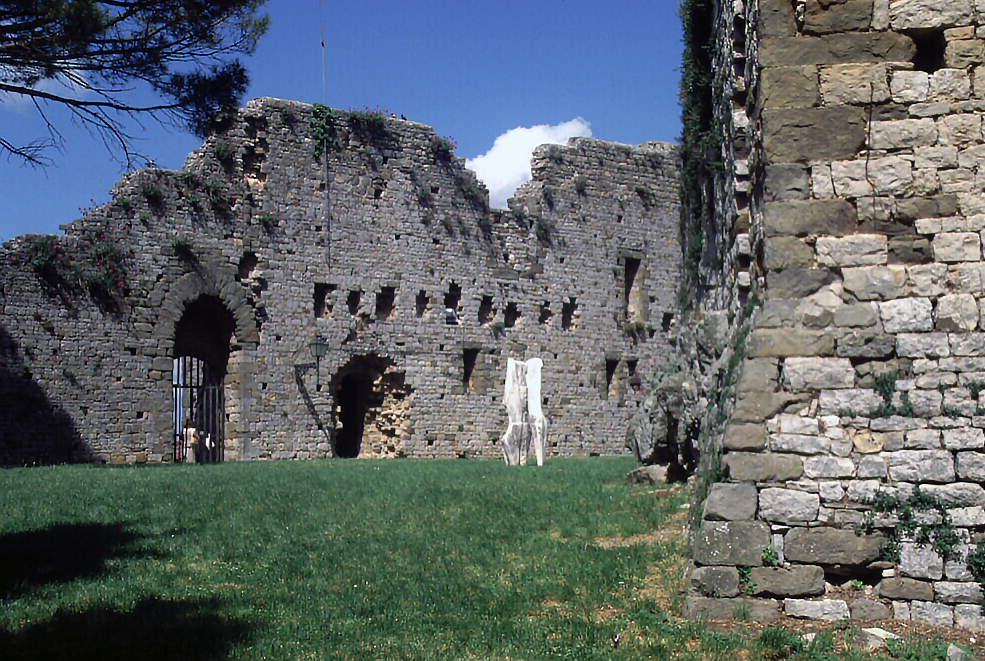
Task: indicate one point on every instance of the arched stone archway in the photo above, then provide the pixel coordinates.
(202, 340)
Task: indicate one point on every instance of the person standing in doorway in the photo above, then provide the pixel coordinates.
(191, 438)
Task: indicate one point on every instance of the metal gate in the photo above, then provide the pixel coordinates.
(198, 400)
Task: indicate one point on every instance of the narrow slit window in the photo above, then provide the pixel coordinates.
(568, 310)
(469, 357)
(353, 301)
(422, 303)
(486, 310)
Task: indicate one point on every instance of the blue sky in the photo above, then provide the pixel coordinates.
(476, 71)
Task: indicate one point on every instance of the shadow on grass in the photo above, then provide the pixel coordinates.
(154, 629)
(62, 553)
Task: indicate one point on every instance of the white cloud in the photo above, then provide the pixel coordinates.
(506, 166)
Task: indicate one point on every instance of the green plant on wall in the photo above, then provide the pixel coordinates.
(323, 128)
(920, 516)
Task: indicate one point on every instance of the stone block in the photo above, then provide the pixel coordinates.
(856, 401)
(870, 609)
(795, 581)
(957, 313)
(788, 506)
(856, 250)
(906, 315)
(800, 443)
(905, 133)
(807, 217)
(784, 252)
(940, 615)
(714, 581)
(756, 467)
(951, 85)
(856, 315)
(731, 543)
(952, 592)
(923, 14)
(866, 441)
(836, 49)
(745, 437)
(927, 279)
(958, 494)
(964, 53)
(968, 344)
(826, 17)
(920, 561)
(833, 547)
(776, 19)
(711, 609)
(953, 247)
(817, 373)
(870, 283)
(822, 609)
(922, 345)
(891, 175)
(969, 617)
(757, 407)
(899, 587)
(730, 502)
(759, 375)
(970, 466)
(786, 181)
(964, 438)
(958, 129)
(920, 466)
(790, 87)
(910, 87)
(793, 135)
(854, 84)
(829, 468)
(766, 342)
(797, 283)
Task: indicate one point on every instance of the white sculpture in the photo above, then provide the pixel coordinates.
(522, 398)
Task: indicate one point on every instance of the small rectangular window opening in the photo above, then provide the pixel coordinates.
(422, 303)
(486, 310)
(323, 304)
(511, 315)
(545, 313)
(384, 303)
(353, 301)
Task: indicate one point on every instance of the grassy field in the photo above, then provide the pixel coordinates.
(345, 560)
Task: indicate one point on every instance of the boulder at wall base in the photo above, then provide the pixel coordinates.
(709, 608)
(731, 543)
(648, 475)
(795, 581)
(834, 548)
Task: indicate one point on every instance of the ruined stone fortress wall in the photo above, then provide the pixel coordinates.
(385, 247)
(863, 365)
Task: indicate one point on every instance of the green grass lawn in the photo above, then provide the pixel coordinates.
(355, 559)
(325, 560)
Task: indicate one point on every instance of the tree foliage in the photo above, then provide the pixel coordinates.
(93, 58)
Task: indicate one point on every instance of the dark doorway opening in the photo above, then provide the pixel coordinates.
(201, 352)
(372, 408)
(354, 392)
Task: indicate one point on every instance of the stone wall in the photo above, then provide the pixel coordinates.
(386, 248)
(863, 365)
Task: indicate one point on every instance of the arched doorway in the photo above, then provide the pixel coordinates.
(201, 352)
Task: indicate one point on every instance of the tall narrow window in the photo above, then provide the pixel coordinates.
(511, 315)
(353, 302)
(422, 303)
(384, 303)
(469, 357)
(323, 304)
(452, 299)
(568, 309)
(632, 268)
(486, 310)
(545, 313)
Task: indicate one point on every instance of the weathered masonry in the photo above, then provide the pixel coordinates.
(198, 295)
(846, 324)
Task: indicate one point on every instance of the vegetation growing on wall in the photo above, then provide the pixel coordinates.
(700, 139)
